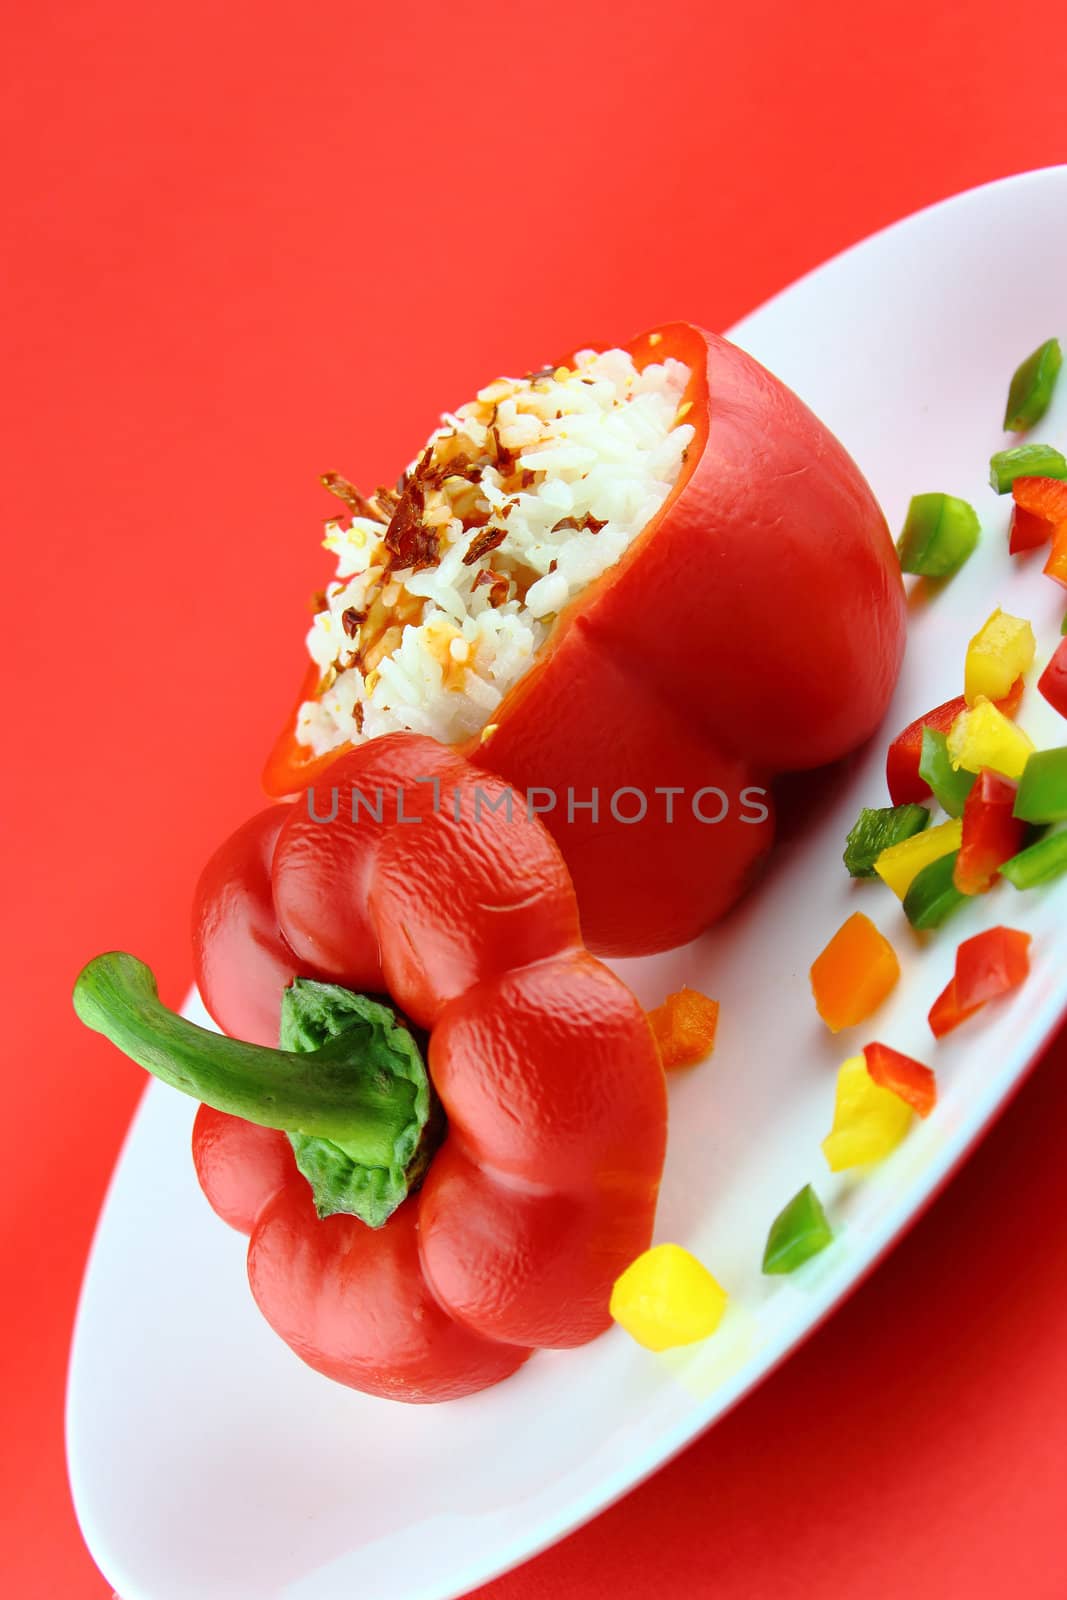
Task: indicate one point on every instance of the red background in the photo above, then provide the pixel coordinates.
(251, 242)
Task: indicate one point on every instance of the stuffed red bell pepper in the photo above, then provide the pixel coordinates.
(637, 586)
(535, 1140)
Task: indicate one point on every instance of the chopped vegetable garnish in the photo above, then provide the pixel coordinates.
(990, 964)
(1025, 461)
(984, 737)
(933, 895)
(992, 834)
(875, 830)
(1031, 387)
(1040, 508)
(1038, 863)
(949, 785)
(1010, 702)
(869, 1121)
(1063, 624)
(905, 753)
(939, 533)
(853, 975)
(1056, 565)
(1053, 681)
(667, 1298)
(901, 863)
(684, 1027)
(1042, 793)
(798, 1232)
(945, 1013)
(902, 1075)
(1000, 652)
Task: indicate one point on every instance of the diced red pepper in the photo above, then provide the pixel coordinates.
(1040, 511)
(905, 1077)
(1053, 681)
(902, 761)
(990, 964)
(1010, 702)
(946, 1012)
(991, 833)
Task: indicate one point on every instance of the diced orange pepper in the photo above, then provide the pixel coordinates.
(853, 975)
(684, 1027)
(1056, 565)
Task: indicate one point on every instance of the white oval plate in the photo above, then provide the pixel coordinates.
(207, 1461)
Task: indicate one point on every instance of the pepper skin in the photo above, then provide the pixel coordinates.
(545, 1186)
(703, 659)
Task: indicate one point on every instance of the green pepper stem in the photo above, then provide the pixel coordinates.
(337, 1092)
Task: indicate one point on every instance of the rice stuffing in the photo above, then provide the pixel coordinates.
(447, 586)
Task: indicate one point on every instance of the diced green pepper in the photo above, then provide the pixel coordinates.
(797, 1233)
(1042, 793)
(1038, 863)
(950, 785)
(1031, 387)
(1063, 624)
(933, 896)
(939, 533)
(1025, 461)
(875, 829)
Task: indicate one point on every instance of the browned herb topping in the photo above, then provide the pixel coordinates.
(350, 496)
(351, 619)
(497, 584)
(587, 524)
(482, 544)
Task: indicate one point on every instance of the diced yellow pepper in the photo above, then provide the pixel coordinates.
(902, 862)
(1001, 651)
(666, 1298)
(869, 1121)
(985, 737)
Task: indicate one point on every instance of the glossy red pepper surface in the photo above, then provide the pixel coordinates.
(545, 1186)
(988, 965)
(1040, 510)
(991, 964)
(910, 1080)
(704, 661)
(991, 833)
(904, 754)
(1053, 681)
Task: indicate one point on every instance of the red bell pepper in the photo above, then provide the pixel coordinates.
(1053, 681)
(702, 660)
(1040, 509)
(988, 965)
(991, 833)
(991, 964)
(542, 1187)
(902, 761)
(946, 1012)
(907, 1078)
(905, 753)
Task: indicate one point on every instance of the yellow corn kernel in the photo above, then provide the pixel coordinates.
(1001, 651)
(869, 1121)
(985, 737)
(666, 1298)
(902, 862)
